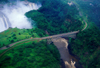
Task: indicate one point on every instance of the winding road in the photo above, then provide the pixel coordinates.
(81, 16)
(85, 25)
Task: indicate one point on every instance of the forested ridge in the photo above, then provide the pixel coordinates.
(54, 17)
(86, 47)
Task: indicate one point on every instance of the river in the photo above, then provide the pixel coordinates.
(62, 45)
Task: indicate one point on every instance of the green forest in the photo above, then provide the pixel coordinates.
(54, 17)
(86, 47)
(31, 54)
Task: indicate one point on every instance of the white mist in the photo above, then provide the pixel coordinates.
(15, 14)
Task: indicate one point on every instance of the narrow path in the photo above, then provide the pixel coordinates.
(77, 7)
(85, 25)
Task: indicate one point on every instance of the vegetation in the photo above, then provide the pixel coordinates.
(3, 0)
(56, 18)
(87, 47)
(31, 54)
(14, 34)
(91, 9)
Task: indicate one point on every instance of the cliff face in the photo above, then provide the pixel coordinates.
(32, 5)
(4, 22)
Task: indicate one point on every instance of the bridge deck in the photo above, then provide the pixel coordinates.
(60, 35)
(53, 36)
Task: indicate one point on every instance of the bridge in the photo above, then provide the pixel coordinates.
(69, 34)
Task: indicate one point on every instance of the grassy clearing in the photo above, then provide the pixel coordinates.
(14, 34)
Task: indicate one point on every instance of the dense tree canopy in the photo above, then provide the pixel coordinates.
(87, 47)
(31, 55)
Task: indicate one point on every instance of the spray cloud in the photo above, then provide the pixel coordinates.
(15, 14)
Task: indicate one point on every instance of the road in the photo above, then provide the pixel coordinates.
(85, 25)
(54, 36)
(77, 7)
(27, 40)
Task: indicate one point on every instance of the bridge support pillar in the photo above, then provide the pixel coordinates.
(49, 41)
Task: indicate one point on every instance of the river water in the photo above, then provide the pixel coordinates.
(62, 45)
